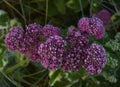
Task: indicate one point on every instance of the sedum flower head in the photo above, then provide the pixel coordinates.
(33, 34)
(96, 28)
(50, 30)
(31, 38)
(52, 52)
(33, 30)
(71, 62)
(33, 54)
(76, 38)
(83, 24)
(14, 38)
(94, 59)
(105, 16)
(93, 26)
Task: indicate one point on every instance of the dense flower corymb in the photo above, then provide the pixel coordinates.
(76, 38)
(72, 60)
(83, 24)
(94, 59)
(14, 38)
(33, 54)
(50, 30)
(52, 52)
(24, 48)
(93, 26)
(34, 30)
(45, 45)
(105, 16)
(33, 33)
(96, 28)
(31, 38)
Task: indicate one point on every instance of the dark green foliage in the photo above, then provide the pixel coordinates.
(18, 71)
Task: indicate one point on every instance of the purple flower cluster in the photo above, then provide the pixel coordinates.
(33, 54)
(72, 61)
(49, 30)
(104, 15)
(93, 26)
(45, 45)
(30, 38)
(52, 52)
(27, 41)
(83, 24)
(14, 38)
(76, 38)
(94, 59)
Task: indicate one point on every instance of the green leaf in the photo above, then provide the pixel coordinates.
(117, 37)
(110, 78)
(62, 83)
(3, 19)
(54, 76)
(1, 63)
(60, 4)
(75, 4)
(14, 22)
(117, 2)
(73, 76)
(92, 84)
(111, 62)
(52, 10)
(113, 45)
(76, 75)
(78, 84)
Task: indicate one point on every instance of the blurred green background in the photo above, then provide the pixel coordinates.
(17, 70)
